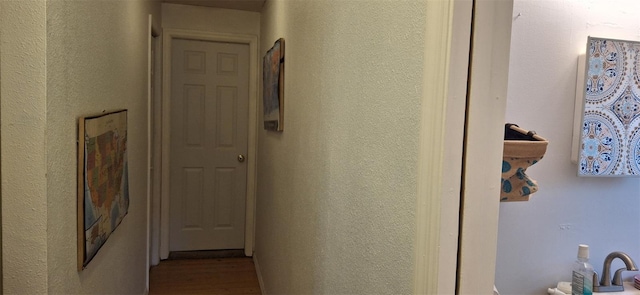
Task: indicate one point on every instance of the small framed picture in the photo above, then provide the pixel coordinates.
(273, 87)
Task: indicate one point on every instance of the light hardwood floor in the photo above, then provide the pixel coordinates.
(204, 276)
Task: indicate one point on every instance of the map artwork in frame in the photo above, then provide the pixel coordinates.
(103, 187)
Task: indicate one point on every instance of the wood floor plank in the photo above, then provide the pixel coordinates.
(205, 276)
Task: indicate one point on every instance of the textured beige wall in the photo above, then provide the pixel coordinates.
(337, 189)
(23, 121)
(208, 19)
(96, 60)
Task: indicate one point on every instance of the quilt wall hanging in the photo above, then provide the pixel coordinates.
(610, 128)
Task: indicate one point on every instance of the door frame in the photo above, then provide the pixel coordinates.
(153, 89)
(446, 66)
(252, 41)
(156, 150)
(456, 227)
(484, 137)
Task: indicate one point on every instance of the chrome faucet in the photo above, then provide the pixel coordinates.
(615, 285)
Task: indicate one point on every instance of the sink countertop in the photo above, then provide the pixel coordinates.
(629, 289)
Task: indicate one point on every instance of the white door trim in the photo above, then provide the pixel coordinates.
(483, 145)
(252, 41)
(152, 33)
(154, 203)
(448, 31)
(440, 269)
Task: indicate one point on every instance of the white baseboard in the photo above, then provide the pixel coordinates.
(259, 274)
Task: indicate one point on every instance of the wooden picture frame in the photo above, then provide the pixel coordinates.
(103, 186)
(273, 87)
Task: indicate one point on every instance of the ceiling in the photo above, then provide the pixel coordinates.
(250, 5)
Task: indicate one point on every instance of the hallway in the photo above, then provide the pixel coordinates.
(204, 276)
(359, 194)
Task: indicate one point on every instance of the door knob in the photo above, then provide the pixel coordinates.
(240, 158)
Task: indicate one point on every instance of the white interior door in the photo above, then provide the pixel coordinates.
(209, 112)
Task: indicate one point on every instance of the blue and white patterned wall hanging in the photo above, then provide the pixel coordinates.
(610, 135)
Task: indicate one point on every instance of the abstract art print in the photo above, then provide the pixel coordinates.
(273, 86)
(103, 186)
(610, 129)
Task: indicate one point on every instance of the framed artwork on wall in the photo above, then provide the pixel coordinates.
(103, 186)
(273, 87)
(610, 128)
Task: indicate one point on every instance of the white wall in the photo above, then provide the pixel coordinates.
(176, 16)
(538, 240)
(96, 60)
(337, 189)
(23, 121)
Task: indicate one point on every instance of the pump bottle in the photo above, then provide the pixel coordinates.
(582, 280)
